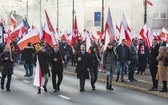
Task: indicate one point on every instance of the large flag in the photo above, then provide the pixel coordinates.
(107, 39)
(88, 43)
(32, 37)
(149, 37)
(48, 36)
(49, 23)
(13, 21)
(143, 32)
(109, 25)
(38, 75)
(15, 32)
(75, 31)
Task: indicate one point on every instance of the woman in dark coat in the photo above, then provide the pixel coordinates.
(82, 68)
(7, 67)
(57, 61)
(43, 58)
(94, 62)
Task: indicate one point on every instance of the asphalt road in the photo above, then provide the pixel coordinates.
(24, 93)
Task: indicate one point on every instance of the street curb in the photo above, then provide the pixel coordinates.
(156, 93)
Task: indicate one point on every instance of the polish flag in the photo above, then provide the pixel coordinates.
(127, 31)
(15, 32)
(143, 32)
(122, 34)
(164, 33)
(109, 25)
(48, 36)
(32, 37)
(107, 39)
(13, 21)
(88, 43)
(69, 40)
(38, 75)
(149, 2)
(20, 34)
(155, 35)
(49, 23)
(149, 37)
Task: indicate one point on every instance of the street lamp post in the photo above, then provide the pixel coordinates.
(145, 12)
(102, 29)
(73, 12)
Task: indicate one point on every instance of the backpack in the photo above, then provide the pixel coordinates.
(165, 61)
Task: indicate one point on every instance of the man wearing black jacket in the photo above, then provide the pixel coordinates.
(153, 63)
(57, 61)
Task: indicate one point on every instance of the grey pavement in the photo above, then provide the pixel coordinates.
(24, 93)
(143, 84)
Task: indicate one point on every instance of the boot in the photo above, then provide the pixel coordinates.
(39, 91)
(164, 86)
(107, 86)
(110, 87)
(45, 89)
(118, 74)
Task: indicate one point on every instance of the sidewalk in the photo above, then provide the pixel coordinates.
(143, 84)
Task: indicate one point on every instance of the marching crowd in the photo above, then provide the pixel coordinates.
(116, 57)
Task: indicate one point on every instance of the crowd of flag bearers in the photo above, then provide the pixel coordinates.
(88, 52)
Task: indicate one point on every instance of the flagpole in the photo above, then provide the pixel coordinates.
(102, 16)
(57, 13)
(40, 11)
(145, 12)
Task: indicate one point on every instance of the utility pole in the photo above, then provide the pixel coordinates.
(40, 10)
(57, 13)
(145, 12)
(73, 12)
(27, 7)
(102, 29)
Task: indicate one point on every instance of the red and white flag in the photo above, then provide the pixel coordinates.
(15, 32)
(13, 21)
(48, 36)
(88, 43)
(107, 39)
(164, 33)
(38, 75)
(49, 23)
(149, 3)
(32, 37)
(109, 25)
(143, 32)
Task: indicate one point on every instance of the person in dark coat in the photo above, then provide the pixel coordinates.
(6, 60)
(109, 59)
(94, 62)
(43, 58)
(153, 63)
(133, 60)
(27, 56)
(122, 60)
(82, 68)
(143, 54)
(57, 61)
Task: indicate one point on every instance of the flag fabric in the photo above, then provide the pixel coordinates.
(13, 21)
(75, 31)
(164, 33)
(107, 39)
(38, 75)
(143, 32)
(15, 32)
(149, 3)
(149, 37)
(49, 23)
(88, 43)
(48, 36)
(32, 37)
(109, 24)
(26, 24)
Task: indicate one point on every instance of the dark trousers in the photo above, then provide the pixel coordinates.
(82, 82)
(60, 77)
(73, 59)
(132, 68)
(153, 71)
(93, 74)
(142, 63)
(8, 80)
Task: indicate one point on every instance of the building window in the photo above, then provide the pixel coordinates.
(161, 12)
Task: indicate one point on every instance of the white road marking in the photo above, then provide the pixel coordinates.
(14, 76)
(64, 97)
(26, 81)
